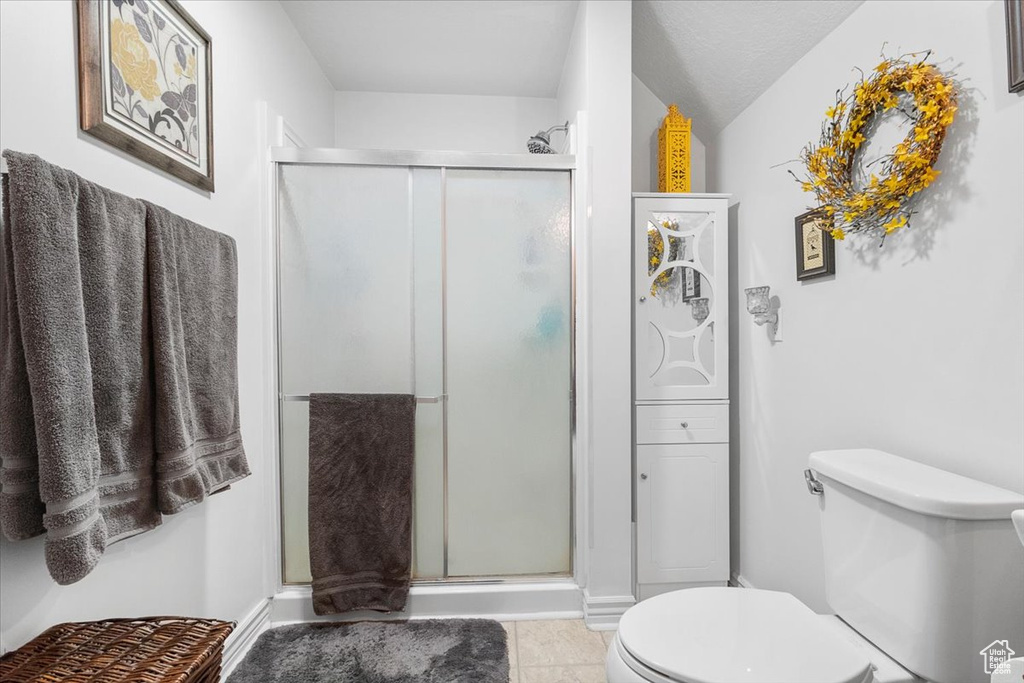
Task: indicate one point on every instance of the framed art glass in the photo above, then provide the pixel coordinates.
(145, 75)
(815, 247)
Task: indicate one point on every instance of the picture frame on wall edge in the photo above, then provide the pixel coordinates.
(1014, 44)
(815, 246)
(690, 284)
(145, 84)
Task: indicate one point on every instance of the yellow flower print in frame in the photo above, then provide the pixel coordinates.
(131, 57)
(146, 83)
(153, 73)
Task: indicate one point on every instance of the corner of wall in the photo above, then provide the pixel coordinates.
(603, 613)
(246, 632)
(648, 113)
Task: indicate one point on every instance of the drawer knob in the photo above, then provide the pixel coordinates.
(684, 425)
(643, 475)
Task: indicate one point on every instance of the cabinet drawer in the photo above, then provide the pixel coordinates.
(682, 424)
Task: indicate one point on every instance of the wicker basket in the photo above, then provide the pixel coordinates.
(148, 650)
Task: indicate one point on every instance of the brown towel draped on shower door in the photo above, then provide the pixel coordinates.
(360, 500)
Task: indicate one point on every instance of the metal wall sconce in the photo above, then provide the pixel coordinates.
(759, 304)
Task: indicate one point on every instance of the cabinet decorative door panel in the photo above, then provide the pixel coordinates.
(680, 285)
(682, 513)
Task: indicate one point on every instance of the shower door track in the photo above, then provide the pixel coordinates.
(422, 159)
(282, 156)
(419, 399)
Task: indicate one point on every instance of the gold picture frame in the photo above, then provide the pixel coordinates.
(1014, 44)
(145, 84)
(815, 247)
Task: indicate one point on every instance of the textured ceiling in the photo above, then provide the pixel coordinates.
(460, 47)
(714, 58)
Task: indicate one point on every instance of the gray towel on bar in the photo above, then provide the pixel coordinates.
(194, 299)
(21, 508)
(360, 500)
(75, 392)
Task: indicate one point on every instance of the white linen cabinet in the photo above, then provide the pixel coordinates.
(681, 390)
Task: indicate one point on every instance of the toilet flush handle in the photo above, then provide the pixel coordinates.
(813, 485)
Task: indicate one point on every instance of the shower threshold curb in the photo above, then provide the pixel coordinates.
(505, 601)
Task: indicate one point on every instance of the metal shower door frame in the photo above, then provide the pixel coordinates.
(283, 156)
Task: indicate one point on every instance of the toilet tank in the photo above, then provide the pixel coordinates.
(923, 563)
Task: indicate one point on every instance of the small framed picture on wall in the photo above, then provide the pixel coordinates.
(815, 248)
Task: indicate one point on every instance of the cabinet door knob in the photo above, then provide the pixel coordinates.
(643, 476)
(684, 425)
(643, 299)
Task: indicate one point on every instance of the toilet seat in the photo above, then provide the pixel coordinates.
(717, 635)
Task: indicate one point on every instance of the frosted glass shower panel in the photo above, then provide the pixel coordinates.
(508, 372)
(361, 302)
(346, 257)
(428, 355)
(295, 490)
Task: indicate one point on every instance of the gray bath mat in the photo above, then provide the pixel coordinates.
(430, 651)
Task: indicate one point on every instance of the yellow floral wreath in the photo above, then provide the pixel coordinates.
(880, 203)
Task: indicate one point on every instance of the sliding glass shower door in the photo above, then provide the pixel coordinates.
(508, 354)
(453, 285)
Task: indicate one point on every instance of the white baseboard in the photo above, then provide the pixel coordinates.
(602, 612)
(740, 581)
(501, 601)
(244, 635)
(646, 591)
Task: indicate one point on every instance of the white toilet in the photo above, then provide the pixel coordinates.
(922, 567)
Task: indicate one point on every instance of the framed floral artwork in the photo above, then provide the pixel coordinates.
(145, 74)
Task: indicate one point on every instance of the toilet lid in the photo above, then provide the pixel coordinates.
(740, 635)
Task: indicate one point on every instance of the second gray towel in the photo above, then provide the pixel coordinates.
(360, 500)
(194, 300)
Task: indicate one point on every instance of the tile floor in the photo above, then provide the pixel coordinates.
(555, 652)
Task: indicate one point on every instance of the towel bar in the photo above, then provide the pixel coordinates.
(419, 399)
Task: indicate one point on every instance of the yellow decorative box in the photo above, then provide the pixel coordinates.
(674, 152)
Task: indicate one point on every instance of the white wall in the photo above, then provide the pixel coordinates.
(211, 559)
(648, 113)
(596, 80)
(915, 348)
(572, 103)
(466, 123)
